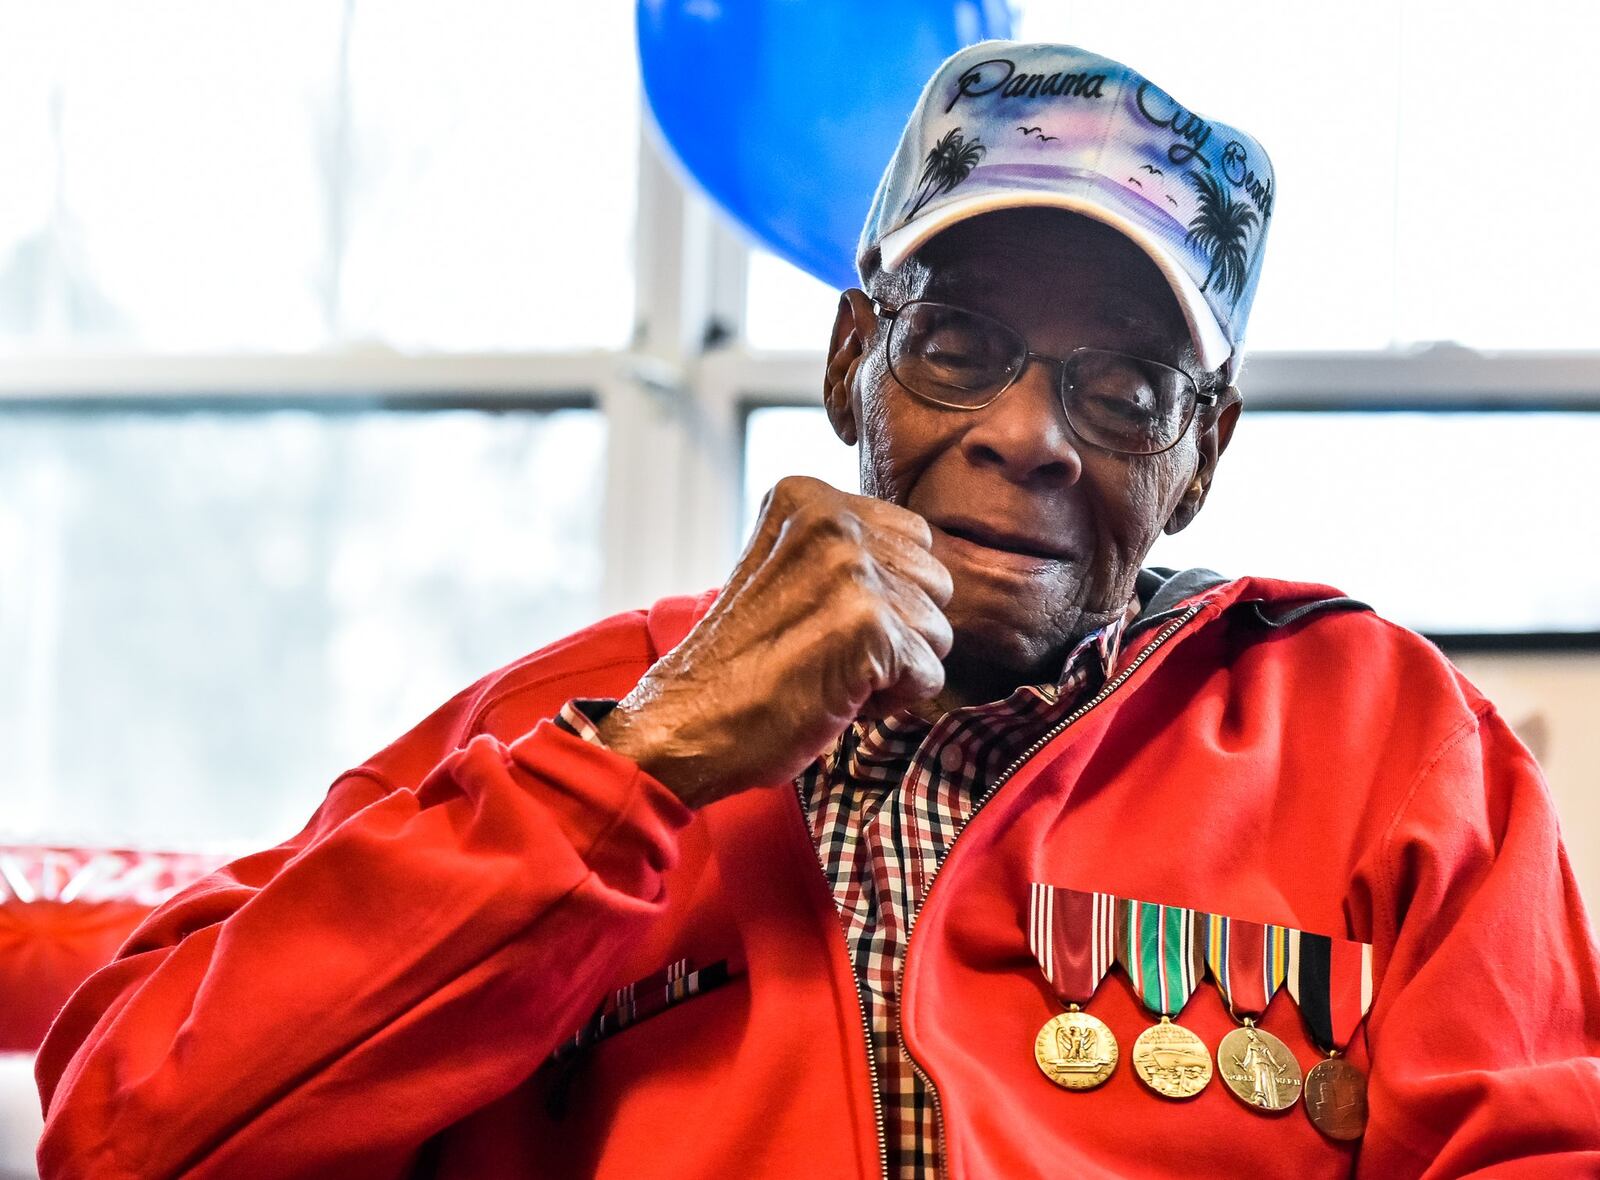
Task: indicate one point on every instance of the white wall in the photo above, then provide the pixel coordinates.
(20, 1121)
(1553, 701)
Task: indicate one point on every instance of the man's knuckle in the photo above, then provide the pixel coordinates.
(885, 621)
(875, 664)
(869, 620)
(919, 530)
(790, 488)
(852, 566)
(827, 524)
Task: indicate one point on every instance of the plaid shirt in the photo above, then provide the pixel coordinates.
(884, 805)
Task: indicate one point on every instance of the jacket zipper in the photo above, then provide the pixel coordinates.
(861, 1000)
(916, 909)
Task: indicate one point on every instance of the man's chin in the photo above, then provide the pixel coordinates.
(994, 648)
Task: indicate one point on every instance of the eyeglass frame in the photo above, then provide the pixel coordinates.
(1203, 396)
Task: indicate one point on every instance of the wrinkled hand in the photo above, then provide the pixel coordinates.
(834, 611)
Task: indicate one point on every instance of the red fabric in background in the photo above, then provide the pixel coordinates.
(64, 912)
(47, 948)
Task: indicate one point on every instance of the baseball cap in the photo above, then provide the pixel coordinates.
(1005, 124)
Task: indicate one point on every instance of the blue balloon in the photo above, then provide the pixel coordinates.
(786, 111)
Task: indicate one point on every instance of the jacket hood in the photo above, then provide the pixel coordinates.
(1270, 601)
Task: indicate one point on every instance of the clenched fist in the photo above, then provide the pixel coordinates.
(835, 610)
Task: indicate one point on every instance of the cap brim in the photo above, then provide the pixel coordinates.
(1211, 346)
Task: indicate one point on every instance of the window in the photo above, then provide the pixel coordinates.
(304, 388)
(205, 614)
(789, 310)
(195, 177)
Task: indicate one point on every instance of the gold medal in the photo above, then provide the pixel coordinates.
(1075, 1050)
(1073, 937)
(1336, 1099)
(1259, 1069)
(1171, 1060)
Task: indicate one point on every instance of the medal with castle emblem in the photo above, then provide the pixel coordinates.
(1250, 962)
(1336, 1098)
(1073, 936)
(1331, 981)
(1162, 949)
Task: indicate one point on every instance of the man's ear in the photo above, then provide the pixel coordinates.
(853, 326)
(1212, 441)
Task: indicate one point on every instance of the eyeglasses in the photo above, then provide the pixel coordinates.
(964, 360)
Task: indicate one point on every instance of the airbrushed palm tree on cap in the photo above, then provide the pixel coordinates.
(949, 163)
(1221, 229)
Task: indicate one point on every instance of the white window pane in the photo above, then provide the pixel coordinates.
(788, 309)
(1446, 522)
(205, 616)
(1407, 511)
(492, 175)
(1496, 239)
(792, 440)
(195, 177)
(169, 193)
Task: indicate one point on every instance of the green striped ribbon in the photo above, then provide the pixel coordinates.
(1162, 948)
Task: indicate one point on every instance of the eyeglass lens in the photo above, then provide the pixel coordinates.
(963, 359)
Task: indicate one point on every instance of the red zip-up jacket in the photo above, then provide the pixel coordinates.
(378, 996)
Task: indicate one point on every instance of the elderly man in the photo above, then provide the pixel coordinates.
(943, 840)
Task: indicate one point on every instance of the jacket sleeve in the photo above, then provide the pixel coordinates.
(325, 1007)
(1486, 1023)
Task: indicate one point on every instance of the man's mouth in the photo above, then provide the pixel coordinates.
(1005, 540)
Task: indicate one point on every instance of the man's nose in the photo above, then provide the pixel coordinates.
(1023, 433)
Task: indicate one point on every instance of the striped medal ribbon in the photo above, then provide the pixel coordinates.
(1331, 981)
(1072, 934)
(1162, 948)
(1250, 963)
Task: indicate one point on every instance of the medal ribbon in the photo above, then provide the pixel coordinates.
(1249, 961)
(1331, 980)
(1073, 936)
(1162, 948)
(1166, 951)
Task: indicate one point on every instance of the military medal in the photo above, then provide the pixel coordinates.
(1331, 981)
(1249, 961)
(1336, 1098)
(1073, 936)
(1161, 949)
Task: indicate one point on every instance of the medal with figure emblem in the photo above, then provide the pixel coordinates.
(1259, 1069)
(1331, 981)
(1162, 949)
(1072, 935)
(1249, 962)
